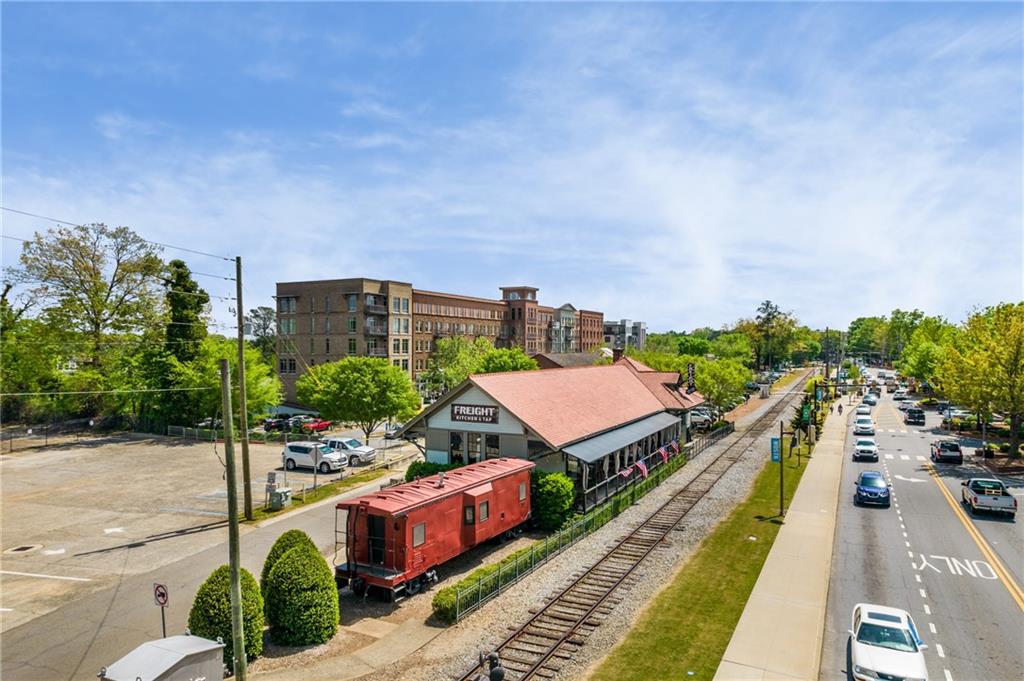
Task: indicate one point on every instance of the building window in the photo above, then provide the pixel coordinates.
(405, 346)
(327, 346)
(311, 346)
(327, 303)
(351, 346)
(396, 362)
(419, 534)
(491, 450)
(286, 304)
(351, 301)
(396, 346)
(405, 365)
(419, 365)
(286, 327)
(522, 491)
(396, 326)
(473, 440)
(405, 325)
(351, 324)
(405, 305)
(455, 449)
(312, 325)
(327, 324)
(396, 304)
(468, 513)
(287, 365)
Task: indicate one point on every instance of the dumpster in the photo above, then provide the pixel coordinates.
(175, 658)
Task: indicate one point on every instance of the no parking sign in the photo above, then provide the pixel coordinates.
(160, 595)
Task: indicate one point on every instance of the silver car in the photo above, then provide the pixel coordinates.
(356, 451)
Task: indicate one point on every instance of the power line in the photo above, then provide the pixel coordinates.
(75, 224)
(215, 276)
(106, 392)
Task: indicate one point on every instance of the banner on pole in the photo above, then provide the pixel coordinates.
(776, 450)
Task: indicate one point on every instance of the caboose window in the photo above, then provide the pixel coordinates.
(485, 510)
(522, 491)
(468, 514)
(419, 534)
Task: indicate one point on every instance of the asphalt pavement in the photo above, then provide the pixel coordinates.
(958, 576)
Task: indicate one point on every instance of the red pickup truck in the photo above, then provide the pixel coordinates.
(316, 426)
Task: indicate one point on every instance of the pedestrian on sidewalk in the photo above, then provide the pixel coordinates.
(840, 410)
(832, 408)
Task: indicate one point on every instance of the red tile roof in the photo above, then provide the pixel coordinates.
(565, 405)
(665, 385)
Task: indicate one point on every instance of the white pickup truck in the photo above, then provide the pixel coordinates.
(987, 494)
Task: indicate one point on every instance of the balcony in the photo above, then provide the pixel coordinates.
(376, 352)
(375, 330)
(375, 309)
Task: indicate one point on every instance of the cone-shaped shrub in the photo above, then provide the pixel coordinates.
(210, 616)
(288, 540)
(302, 598)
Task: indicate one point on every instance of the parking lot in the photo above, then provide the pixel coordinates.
(71, 512)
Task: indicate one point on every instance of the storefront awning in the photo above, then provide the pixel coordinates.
(592, 449)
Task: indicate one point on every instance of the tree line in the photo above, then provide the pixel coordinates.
(94, 322)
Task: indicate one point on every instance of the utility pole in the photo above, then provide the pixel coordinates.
(243, 415)
(237, 632)
(782, 473)
(827, 355)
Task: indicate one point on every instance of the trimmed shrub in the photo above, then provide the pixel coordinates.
(553, 498)
(422, 469)
(302, 598)
(286, 541)
(210, 616)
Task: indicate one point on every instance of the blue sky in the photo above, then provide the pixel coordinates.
(672, 163)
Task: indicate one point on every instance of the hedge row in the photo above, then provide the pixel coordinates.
(302, 598)
(210, 616)
(484, 581)
(421, 469)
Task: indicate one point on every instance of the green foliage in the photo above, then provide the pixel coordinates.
(553, 497)
(360, 390)
(505, 359)
(262, 323)
(734, 346)
(210, 616)
(983, 366)
(284, 543)
(693, 345)
(722, 381)
(923, 354)
(302, 599)
(186, 303)
(422, 469)
(454, 360)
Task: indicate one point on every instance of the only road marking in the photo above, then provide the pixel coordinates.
(32, 574)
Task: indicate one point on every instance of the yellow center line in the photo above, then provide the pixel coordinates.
(986, 550)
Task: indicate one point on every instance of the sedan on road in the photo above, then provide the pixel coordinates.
(863, 410)
(870, 399)
(884, 645)
(863, 426)
(947, 451)
(871, 489)
(865, 448)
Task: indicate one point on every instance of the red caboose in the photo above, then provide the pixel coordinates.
(396, 538)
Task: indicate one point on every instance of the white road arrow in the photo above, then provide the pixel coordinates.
(900, 477)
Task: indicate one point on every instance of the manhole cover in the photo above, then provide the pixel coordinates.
(24, 548)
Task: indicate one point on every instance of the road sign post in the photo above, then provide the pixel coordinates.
(161, 597)
(782, 474)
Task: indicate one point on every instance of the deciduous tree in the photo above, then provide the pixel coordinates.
(505, 359)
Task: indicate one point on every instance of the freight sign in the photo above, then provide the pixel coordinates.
(474, 413)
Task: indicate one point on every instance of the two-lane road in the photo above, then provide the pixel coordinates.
(957, 576)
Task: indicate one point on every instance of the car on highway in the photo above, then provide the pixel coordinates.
(884, 644)
(865, 448)
(900, 395)
(871, 489)
(947, 451)
(863, 410)
(312, 455)
(863, 426)
(914, 416)
(904, 405)
(987, 494)
(357, 452)
(870, 399)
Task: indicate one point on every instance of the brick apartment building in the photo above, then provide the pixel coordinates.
(322, 321)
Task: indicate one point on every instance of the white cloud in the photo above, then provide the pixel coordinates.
(115, 126)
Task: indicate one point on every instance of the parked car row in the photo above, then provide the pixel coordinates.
(329, 455)
(297, 424)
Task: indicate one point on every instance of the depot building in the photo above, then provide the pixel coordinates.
(588, 422)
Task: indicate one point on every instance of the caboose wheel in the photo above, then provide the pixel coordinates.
(413, 586)
(358, 586)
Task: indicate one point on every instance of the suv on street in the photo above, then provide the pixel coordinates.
(947, 450)
(356, 451)
(863, 426)
(914, 416)
(865, 448)
(312, 455)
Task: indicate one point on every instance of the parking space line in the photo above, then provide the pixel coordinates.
(918, 578)
(949, 677)
(924, 594)
(927, 610)
(939, 650)
(931, 627)
(32, 574)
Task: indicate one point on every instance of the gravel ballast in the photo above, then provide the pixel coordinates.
(454, 651)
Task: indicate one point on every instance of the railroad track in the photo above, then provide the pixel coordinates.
(552, 635)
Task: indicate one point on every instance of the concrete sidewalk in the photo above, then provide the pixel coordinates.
(780, 632)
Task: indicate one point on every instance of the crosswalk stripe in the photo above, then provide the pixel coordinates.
(890, 456)
(903, 431)
(904, 457)
(920, 458)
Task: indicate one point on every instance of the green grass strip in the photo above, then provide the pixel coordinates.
(311, 496)
(688, 625)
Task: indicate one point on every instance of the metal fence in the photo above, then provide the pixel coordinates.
(469, 597)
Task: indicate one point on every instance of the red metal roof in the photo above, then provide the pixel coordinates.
(402, 498)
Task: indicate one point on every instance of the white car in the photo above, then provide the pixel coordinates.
(863, 410)
(356, 451)
(900, 395)
(884, 645)
(312, 455)
(865, 448)
(863, 426)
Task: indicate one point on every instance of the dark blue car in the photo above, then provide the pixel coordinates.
(871, 489)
